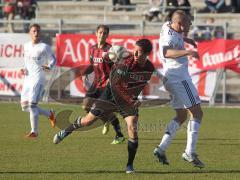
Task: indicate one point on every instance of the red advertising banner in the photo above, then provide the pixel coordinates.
(73, 50)
(218, 54)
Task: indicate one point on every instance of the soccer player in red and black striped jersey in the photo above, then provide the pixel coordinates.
(101, 67)
(127, 79)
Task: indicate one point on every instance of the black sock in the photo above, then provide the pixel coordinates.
(116, 125)
(76, 125)
(132, 149)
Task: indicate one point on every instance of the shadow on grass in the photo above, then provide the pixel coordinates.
(120, 172)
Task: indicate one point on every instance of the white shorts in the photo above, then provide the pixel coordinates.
(184, 94)
(32, 92)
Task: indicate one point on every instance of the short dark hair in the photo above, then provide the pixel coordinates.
(35, 25)
(106, 28)
(145, 44)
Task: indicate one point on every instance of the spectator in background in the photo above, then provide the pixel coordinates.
(215, 6)
(208, 32)
(153, 13)
(235, 6)
(9, 13)
(122, 3)
(27, 11)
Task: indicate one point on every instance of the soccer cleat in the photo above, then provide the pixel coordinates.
(52, 118)
(105, 128)
(118, 140)
(160, 156)
(193, 158)
(60, 136)
(32, 135)
(129, 169)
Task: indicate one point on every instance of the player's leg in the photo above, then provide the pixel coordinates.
(34, 115)
(132, 141)
(87, 104)
(47, 113)
(170, 132)
(25, 96)
(178, 101)
(80, 122)
(27, 106)
(35, 94)
(192, 136)
(98, 109)
(192, 103)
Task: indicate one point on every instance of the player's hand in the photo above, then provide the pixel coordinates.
(193, 54)
(45, 68)
(23, 71)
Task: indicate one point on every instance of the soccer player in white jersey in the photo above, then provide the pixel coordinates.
(178, 82)
(36, 55)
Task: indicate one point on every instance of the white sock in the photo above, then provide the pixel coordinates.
(192, 136)
(44, 112)
(170, 132)
(34, 119)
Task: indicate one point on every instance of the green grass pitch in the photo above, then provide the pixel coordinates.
(89, 155)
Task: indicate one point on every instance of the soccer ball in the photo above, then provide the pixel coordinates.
(116, 53)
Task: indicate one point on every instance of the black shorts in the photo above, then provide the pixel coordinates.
(106, 104)
(94, 93)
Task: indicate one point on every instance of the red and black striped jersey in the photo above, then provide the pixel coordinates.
(101, 66)
(128, 79)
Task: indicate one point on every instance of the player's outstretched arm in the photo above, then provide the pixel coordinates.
(174, 53)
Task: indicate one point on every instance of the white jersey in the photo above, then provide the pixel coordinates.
(35, 56)
(173, 69)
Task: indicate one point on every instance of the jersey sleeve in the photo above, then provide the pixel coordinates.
(166, 39)
(50, 57)
(24, 55)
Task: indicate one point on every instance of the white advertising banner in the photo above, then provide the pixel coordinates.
(11, 60)
(11, 49)
(11, 82)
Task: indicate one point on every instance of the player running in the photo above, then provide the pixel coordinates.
(179, 84)
(36, 53)
(127, 79)
(101, 68)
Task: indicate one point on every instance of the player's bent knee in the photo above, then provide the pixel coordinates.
(197, 114)
(87, 123)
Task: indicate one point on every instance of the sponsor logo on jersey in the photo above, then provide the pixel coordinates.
(97, 60)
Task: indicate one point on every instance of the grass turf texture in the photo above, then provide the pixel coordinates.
(90, 155)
